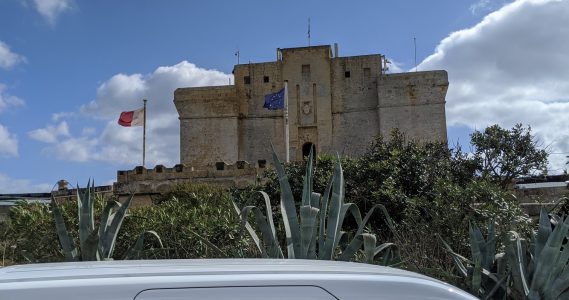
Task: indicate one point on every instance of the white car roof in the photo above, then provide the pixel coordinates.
(121, 268)
(133, 279)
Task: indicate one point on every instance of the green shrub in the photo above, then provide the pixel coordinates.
(29, 235)
(428, 190)
(200, 210)
(187, 218)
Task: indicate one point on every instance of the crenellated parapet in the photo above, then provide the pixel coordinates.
(161, 178)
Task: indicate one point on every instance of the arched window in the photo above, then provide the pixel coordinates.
(306, 150)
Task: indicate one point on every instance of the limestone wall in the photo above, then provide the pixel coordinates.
(307, 70)
(258, 126)
(160, 179)
(415, 103)
(354, 103)
(208, 124)
(338, 104)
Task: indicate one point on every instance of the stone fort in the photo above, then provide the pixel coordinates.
(336, 105)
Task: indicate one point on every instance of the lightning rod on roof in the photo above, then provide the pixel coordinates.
(308, 31)
(415, 44)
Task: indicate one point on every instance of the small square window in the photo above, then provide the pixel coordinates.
(347, 74)
(247, 80)
(265, 79)
(367, 72)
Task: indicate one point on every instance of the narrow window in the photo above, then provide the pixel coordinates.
(305, 72)
(347, 74)
(265, 79)
(247, 80)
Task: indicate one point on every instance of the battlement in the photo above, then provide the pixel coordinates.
(204, 93)
(161, 178)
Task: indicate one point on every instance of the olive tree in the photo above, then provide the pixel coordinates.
(504, 154)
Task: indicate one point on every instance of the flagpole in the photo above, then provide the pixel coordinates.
(144, 136)
(287, 152)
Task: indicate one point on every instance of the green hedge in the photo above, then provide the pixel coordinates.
(177, 217)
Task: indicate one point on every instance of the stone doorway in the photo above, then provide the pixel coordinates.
(306, 150)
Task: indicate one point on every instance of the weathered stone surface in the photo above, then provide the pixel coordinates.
(160, 179)
(338, 104)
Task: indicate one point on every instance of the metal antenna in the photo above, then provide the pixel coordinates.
(237, 54)
(308, 31)
(415, 43)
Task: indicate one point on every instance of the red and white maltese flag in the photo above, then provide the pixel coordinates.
(132, 118)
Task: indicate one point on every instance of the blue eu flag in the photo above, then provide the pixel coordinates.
(275, 101)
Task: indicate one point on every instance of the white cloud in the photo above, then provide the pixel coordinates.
(8, 59)
(50, 133)
(11, 186)
(511, 68)
(7, 100)
(52, 9)
(481, 5)
(61, 115)
(124, 92)
(394, 66)
(8, 144)
(88, 131)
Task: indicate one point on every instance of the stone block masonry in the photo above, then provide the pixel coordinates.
(160, 179)
(336, 104)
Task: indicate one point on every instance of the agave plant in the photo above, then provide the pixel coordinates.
(540, 270)
(95, 243)
(477, 272)
(315, 231)
(535, 270)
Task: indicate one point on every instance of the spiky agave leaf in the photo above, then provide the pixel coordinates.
(308, 229)
(359, 237)
(489, 246)
(109, 236)
(270, 247)
(477, 243)
(85, 205)
(516, 253)
(245, 224)
(266, 224)
(323, 218)
(309, 212)
(334, 216)
(135, 249)
(476, 282)
(369, 247)
(543, 232)
(90, 250)
(65, 239)
(107, 216)
(312, 254)
(560, 278)
(288, 210)
(308, 181)
(549, 259)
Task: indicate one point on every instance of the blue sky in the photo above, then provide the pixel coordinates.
(69, 67)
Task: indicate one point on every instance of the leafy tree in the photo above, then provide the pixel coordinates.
(505, 154)
(429, 190)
